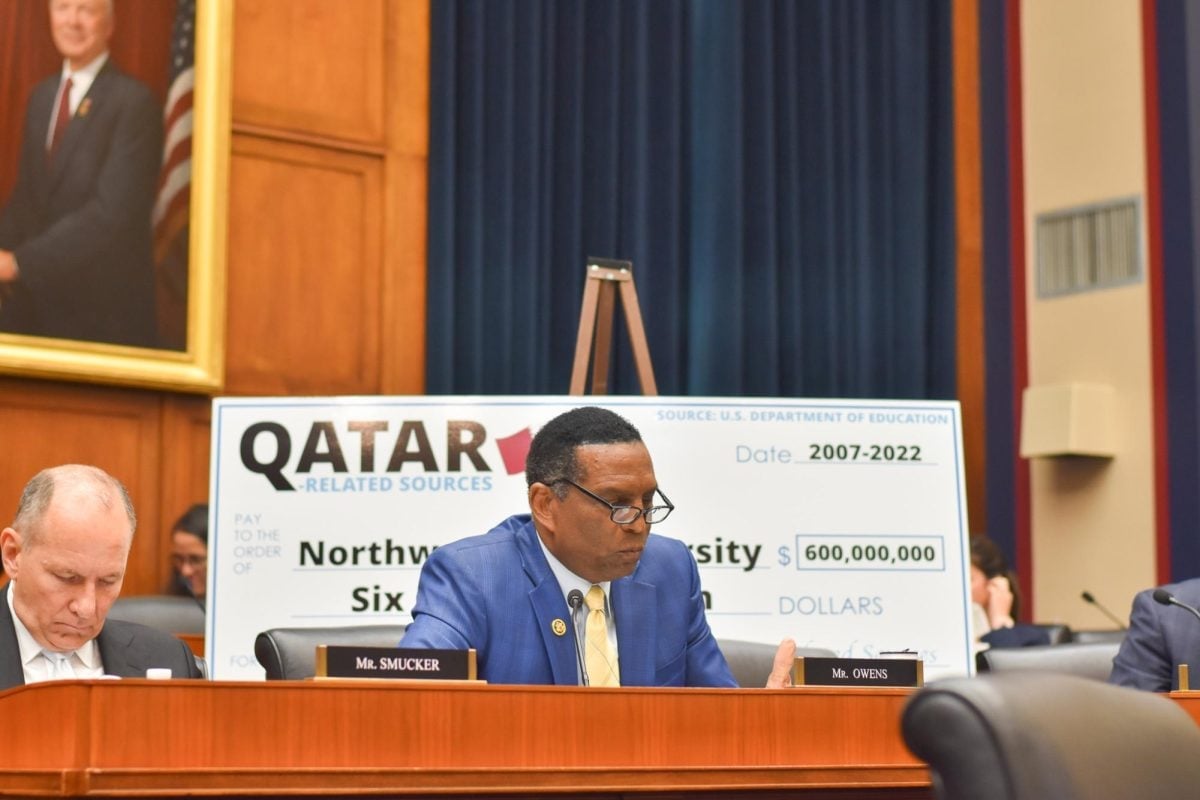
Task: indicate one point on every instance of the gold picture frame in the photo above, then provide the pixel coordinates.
(200, 366)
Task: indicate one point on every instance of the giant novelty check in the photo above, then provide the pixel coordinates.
(841, 524)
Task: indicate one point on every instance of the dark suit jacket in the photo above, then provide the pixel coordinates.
(126, 649)
(1160, 638)
(80, 225)
(1019, 635)
(497, 594)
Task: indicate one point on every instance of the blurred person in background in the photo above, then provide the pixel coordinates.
(189, 553)
(995, 601)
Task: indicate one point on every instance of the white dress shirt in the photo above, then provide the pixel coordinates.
(567, 581)
(37, 666)
(81, 82)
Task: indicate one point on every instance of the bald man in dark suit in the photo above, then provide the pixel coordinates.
(126, 650)
(65, 553)
(76, 252)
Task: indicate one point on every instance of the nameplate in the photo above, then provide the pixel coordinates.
(859, 672)
(336, 661)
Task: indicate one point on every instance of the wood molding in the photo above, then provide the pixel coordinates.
(968, 219)
(186, 442)
(311, 66)
(304, 270)
(406, 206)
(408, 738)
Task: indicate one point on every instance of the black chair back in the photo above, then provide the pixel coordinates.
(165, 612)
(1056, 632)
(290, 654)
(751, 662)
(1027, 735)
(1085, 637)
(1086, 660)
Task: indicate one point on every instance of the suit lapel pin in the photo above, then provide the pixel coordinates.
(559, 627)
(84, 107)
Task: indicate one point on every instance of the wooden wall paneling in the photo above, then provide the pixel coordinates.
(287, 739)
(404, 277)
(304, 268)
(406, 214)
(43, 424)
(404, 284)
(968, 220)
(311, 66)
(186, 442)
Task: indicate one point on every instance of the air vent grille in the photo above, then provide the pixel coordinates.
(1087, 248)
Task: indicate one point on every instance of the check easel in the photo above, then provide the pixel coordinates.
(604, 278)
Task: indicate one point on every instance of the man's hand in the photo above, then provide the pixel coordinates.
(8, 267)
(8, 273)
(1000, 602)
(781, 669)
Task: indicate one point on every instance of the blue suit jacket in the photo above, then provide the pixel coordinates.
(1159, 639)
(497, 594)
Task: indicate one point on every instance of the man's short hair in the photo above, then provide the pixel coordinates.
(38, 493)
(194, 521)
(552, 452)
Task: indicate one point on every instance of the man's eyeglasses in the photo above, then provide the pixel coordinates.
(627, 515)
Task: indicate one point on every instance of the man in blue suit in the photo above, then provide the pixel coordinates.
(515, 593)
(1160, 638)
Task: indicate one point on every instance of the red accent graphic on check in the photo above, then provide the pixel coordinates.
(513, 450)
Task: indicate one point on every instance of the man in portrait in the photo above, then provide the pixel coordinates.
(76, 258)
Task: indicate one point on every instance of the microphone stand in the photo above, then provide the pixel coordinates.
(1163, 597)
(575, 601)
(1088, 597)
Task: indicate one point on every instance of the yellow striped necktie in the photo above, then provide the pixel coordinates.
(601, 666)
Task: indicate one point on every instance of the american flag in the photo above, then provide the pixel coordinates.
(172, 204)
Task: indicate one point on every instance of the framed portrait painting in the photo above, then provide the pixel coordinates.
(113, 190)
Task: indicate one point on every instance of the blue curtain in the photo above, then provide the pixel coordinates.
(1177, 32)
(1003, 465)
(779, 172)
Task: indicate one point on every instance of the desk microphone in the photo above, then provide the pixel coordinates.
(1165, 598)
(1090, 598)
(575, 601)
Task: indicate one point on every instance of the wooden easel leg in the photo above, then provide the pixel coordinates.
(603, 344)
(596, 327)
(637, 336)
(583, 342)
